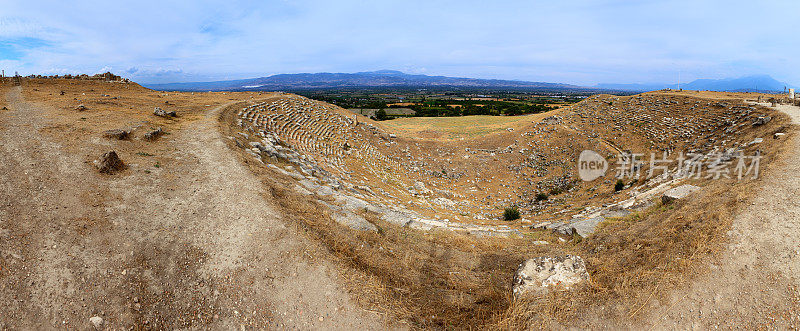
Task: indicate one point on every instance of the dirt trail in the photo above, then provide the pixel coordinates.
(190, 243)
(755, 282)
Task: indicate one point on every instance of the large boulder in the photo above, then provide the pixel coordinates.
(542, 274)
(109, 163)
(678, 193)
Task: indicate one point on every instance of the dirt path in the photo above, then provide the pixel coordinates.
(754, 284)
(190, 243)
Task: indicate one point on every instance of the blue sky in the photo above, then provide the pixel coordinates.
(581, 42)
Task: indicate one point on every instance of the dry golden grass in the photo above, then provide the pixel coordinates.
(462, 127)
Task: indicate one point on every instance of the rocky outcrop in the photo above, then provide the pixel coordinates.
(542, 274)
(678, 193)
(586, 227)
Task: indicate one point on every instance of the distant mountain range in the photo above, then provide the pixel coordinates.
(763, 83)
(397, 79)
(382, 78)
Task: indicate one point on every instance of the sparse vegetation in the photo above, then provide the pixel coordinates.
(511, 213)
(619, 185)
(380, 115)
(541, 196)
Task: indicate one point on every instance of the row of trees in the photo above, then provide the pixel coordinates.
(495, 108)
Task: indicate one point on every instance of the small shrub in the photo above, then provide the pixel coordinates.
(380, 115)
(619, 185)
(541, 196)
(511, 213)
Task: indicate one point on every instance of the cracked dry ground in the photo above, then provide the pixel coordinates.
(188, 243)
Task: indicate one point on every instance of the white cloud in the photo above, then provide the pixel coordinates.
(14, 27)
(581, 41)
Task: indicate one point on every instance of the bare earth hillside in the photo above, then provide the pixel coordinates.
(181, 238)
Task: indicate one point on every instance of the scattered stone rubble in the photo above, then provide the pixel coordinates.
(692, 125)
(304, 134)
(426, 185)
(670, 123)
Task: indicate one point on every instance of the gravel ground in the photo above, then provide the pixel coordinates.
(189, 243)
(755, 283)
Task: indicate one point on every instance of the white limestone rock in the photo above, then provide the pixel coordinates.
(586, 227)
(542, 274)
(96, 321)
(678, 193)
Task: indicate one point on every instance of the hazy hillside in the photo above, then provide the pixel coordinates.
(383, 78)
(763, 83)
(747, 83)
